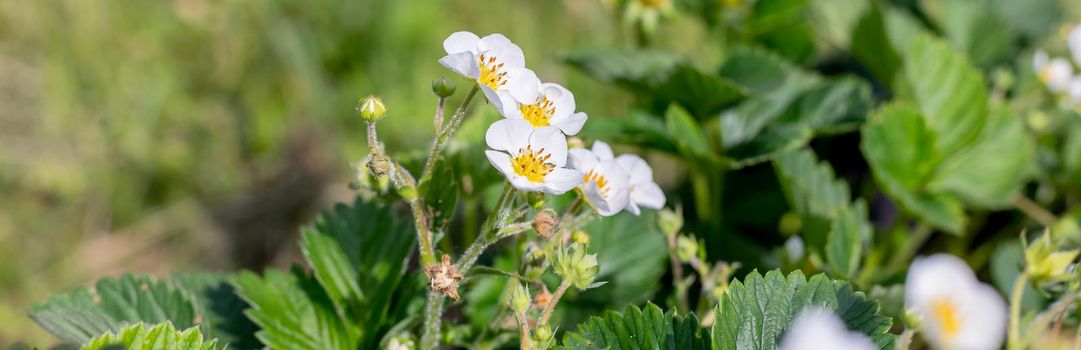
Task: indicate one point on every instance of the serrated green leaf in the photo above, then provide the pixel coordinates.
(880, 35)
(973, 26)
(162, 336)
(662, 76)
(755, 313)
(947, 90)
(294, 312)
(220, 308)
(990, 171)
(113, 303)
(688, 137)
(358, 254)
(635, 328)
(847, 235)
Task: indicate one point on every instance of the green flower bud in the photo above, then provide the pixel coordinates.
(443, 87)
(1045, 263)
(580, 237)
(790, 224)
(670, 221)
(520, 299)
(371, 108)
(686, 248)
(537, 199)
(543, 333)
(575, 266)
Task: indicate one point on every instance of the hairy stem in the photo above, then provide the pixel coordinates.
(439, 114)
(677, 275)
(1014, 336)
(444, 136)
(433, 314)
(373, 139)
(555, 300)
(495, 220)
(523, 325)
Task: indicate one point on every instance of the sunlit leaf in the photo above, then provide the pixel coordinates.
(634, 328)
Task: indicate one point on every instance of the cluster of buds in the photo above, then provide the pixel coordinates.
(1045, 263)
(443, 278)
(576, 267)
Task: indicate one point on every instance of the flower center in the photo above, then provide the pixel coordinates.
(538, 113)
(491, 73)
(945, 312)
(602, 182)
(532, 165)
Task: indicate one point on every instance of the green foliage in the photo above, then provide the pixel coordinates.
(635, 328)
(957, 149)
(357, 255)
(162, 336)
(631, 261)
(754, 313)
(440, 193)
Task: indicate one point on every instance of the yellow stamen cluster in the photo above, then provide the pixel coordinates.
(491, 73)
(539, 113)
(602, 182)
(533, 165)
(945, 312)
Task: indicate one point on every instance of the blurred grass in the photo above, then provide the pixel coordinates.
(125, 124)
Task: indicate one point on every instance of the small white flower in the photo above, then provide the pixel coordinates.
(495, 62)
(605, 183)
(644, 192)
(817, 328)
(1074, 42)
(956, 309)
(531, 159)
(547, 104)
(1055, 73)
(1073, 91)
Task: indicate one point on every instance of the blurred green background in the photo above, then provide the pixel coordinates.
(160, 136)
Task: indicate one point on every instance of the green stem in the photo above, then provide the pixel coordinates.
(1034, 210)
(485, 238)
(677, 275)
(912, 246)
(1014, 339)
(433, 314)
(702, 200)
(448, 131)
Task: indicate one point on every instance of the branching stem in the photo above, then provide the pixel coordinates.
(555, 300)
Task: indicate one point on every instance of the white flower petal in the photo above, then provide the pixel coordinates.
(572, 125)
(581, 160)
(463, 63)
(984, 316)
(934, 276)
(602, 150)
(523, 85)
(648, 195)
(1074, 43)
(633, 208)
(1058, 74)
(817, 328)
(461, 42)
(551, 140)
(493, 96)
(637, 167)
(522, 183)
(501, 162)
(506, 51)
(561, 180)
(562, 99)
(1039, 60)
(979, 311)
(508, 135)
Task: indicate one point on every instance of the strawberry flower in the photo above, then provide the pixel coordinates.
(531, 159)
(956, 310)
(546, 104)
(605, 184)
(496, 63)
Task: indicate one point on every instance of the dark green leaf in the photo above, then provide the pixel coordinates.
(975, 27)
(162, 336)
(293, 312)
(754, 313)
(844, 246)
(636, 328)
(440, 193)
(627, 249)
(948, 91)
(221, 309)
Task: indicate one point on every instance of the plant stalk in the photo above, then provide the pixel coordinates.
(1034, 210)
(555, 300)
(433, 314)
(1014, 336)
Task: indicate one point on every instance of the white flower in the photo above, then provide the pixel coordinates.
(1055, 73)
(956, 309)
(817, 328)
(531, 159)
(605, 183)
(644, 192)
(1073, 90)
(547, 104)
(495, 62)
(1074, 42)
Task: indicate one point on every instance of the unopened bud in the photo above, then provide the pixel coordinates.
(790, 224)
(686, 248)
(1045, 263)
(443, 87)
(545, 223)
(379, 164)
(371, 108)
(536, 199)
(519, 299)
(670, 221)
(543, 333)
(580, 237)
(575, 266)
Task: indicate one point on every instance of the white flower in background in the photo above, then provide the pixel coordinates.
(957, 311)
(547, 104)
(1073, 90)
(495, 62)
(531, 159)
(644, 192)
(605, 183)
(1074, 43)
(1055, 73)
(817, 328)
